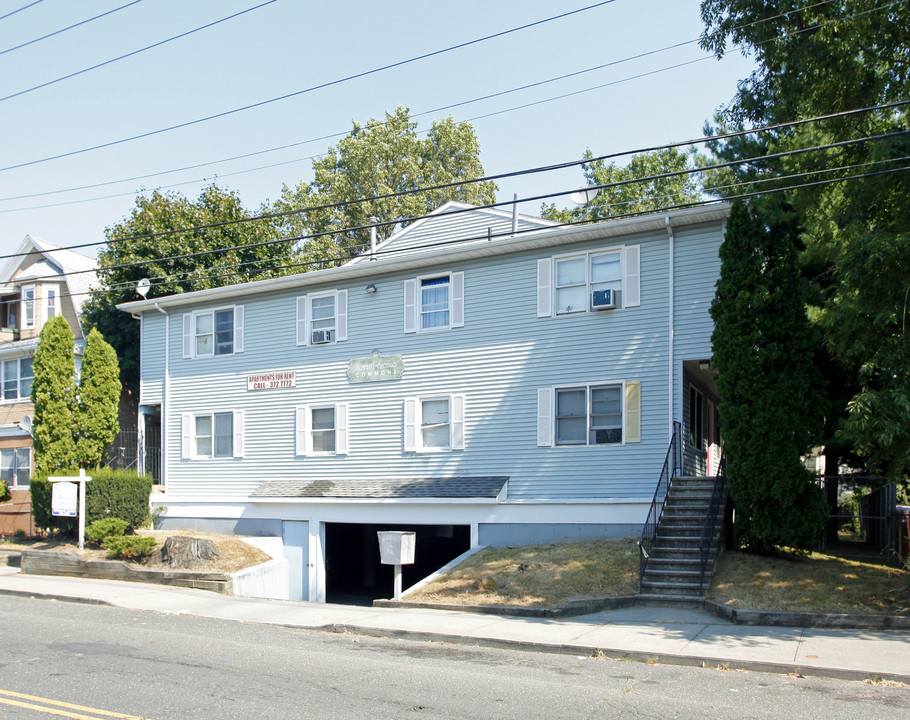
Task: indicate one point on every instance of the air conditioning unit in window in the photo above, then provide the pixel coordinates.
(604, 299)
(320, 337)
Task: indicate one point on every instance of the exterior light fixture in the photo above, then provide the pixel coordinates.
(371, 288)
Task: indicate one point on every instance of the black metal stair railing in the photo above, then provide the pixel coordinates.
(672, 464)
(718, 500)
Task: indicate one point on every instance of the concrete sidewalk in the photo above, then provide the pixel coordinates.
(666, 635)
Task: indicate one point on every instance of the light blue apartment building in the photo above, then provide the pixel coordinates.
(480, 377)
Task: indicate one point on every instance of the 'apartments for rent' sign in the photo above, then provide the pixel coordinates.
(269, 381)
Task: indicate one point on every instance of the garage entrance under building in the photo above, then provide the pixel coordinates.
(354, 574)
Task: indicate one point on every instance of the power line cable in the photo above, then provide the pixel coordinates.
(547, 196)
(441, 244)
(113, 60)
(667, 208)
(24, 7)
(342, 134)
(297, 93)
(488, 178)
(70, 27)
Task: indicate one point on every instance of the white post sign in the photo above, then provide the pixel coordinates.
(63, 499)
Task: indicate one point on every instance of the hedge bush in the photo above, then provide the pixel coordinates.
(110, 493)
(4, 491)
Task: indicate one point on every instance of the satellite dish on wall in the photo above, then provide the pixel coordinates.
(583, 197)
(25, 424)
(142, 287)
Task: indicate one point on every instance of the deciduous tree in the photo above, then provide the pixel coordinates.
(814, 59)
(216, 250)
(650, 182)
(378, 158)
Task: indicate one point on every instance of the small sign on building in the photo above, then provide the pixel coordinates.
(376, 368)
(271, 381)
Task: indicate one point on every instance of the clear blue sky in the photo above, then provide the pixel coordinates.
(290, 45)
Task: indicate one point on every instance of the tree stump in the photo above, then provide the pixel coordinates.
(180, 551)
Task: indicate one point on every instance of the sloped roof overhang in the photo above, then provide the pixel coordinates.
(455, 251)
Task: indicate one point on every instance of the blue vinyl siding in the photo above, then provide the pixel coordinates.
(498, 361)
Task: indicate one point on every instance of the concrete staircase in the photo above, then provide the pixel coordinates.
(672, 573)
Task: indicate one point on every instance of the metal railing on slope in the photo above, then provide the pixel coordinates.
(718, 500)
(672, 464)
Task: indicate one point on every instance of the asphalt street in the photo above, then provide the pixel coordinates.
(87, 661)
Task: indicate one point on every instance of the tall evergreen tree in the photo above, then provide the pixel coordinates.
(54, 397)
(769, 387)
(99, 395)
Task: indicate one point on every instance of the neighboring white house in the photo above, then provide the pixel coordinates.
(38, 282)
(480, 378)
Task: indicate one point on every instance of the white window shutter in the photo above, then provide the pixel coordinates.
(410, 424)
(301, 428)
(341, 429)
(632, 417)
(186, 436)
(341, 315)
(457, 415)
(458, 299)
(545, 417)
(238, 433)
(410, 306)
(188, 335)
(238, 328)
(303, 337)
(544, 287)
(631, 280)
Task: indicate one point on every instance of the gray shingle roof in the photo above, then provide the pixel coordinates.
(443, 487)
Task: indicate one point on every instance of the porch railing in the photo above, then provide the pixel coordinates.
(672, 464)
(718, 500)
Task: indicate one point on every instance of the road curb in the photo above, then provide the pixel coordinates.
(714, 663)
(54, 596)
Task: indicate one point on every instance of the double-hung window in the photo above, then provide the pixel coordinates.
(212, 435)
(434, 424)
(434, 302)
(322, 430)
(17, 379)
(50, 299)
(28, 306)
(322, 317)
(15, 466)
(599, 414)
(589, 281)
(213, 332)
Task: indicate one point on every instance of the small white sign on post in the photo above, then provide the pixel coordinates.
(63, 501)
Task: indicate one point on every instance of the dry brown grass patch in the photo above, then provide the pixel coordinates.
(538, 575)
(809, 583)
(233, 553)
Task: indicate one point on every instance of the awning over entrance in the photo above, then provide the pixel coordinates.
(484, 486)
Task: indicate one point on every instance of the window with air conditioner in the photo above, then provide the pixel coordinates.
(322, 317)
(588, 282)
